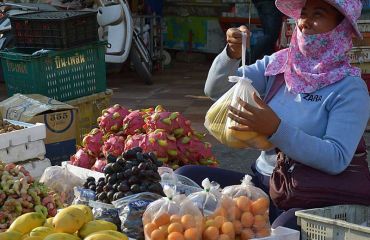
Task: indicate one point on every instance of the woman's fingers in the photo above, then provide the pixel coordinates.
(241, 128)
(247, 106)
(239, 113)
(243, 121)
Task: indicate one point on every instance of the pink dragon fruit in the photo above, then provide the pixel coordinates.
(134, 123)
(137, 140)
(114, 146)
(82, 159)
(99, 165)
(193, 151)
(162, 144)
(112, 118)
(172, 122)
(93, 142)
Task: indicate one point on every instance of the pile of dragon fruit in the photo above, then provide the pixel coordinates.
(167, 134)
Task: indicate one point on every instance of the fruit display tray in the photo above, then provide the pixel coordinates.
(82, 172)
(23, 144)
(30, 133)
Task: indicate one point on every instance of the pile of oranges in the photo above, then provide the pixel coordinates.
(240, 218)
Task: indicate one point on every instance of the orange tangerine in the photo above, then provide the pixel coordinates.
(211, 233)
(247, 219)
(246, 234)
(175, 218)
(191, 234)
(157, 235)
(149, 228)
(263, 232)
(164, 229)
(188, 221)
(175, 236)
(175, 227)
(237, 213)
(260, 206)
(237, 226)
(228, 228)
(219, 220)
(243, 203)
(259, 221)
(224, 237)
(162, 219)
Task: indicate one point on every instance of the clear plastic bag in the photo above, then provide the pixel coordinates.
(172, 217)
(218, 211)
(83, 196)
(107, 212)
(131, 210)
(181, 184)
(62, 181)
(252, 209)
(218, 123)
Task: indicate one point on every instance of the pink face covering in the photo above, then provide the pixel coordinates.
(315, 61)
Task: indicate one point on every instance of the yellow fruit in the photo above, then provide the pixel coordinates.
(61, 236)
(49, 222)
(101, 236)
(25, 236)
(41, 232)
(10, 235)
(33, 238)
(242, 135)
(87, 210)
(96, 226)
(69, 220)
(26, 222)
(112, 233)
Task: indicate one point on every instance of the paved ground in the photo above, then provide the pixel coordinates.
(178, 88)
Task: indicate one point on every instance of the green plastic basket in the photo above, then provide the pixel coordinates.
(62, 75)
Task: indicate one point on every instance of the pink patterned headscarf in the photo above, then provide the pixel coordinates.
(314, 61)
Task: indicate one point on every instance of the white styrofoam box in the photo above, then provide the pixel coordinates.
(23, 152)
(37, 167)
(282, 233)
(31, 133)
(359, 55)
(82, 172)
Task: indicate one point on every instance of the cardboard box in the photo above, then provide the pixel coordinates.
(59, 119)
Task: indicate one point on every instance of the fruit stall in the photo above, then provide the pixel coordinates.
(75, 165)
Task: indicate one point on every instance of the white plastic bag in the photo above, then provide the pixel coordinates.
(252, 209)
(217, 122)
(62, 181)
(172, 217)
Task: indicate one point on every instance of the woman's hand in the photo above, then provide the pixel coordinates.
(261, 119)
(234, 41)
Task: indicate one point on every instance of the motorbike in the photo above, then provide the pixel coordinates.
(115, 27)
(124, 41)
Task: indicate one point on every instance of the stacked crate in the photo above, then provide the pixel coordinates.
(25, 147)
(58, 55)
